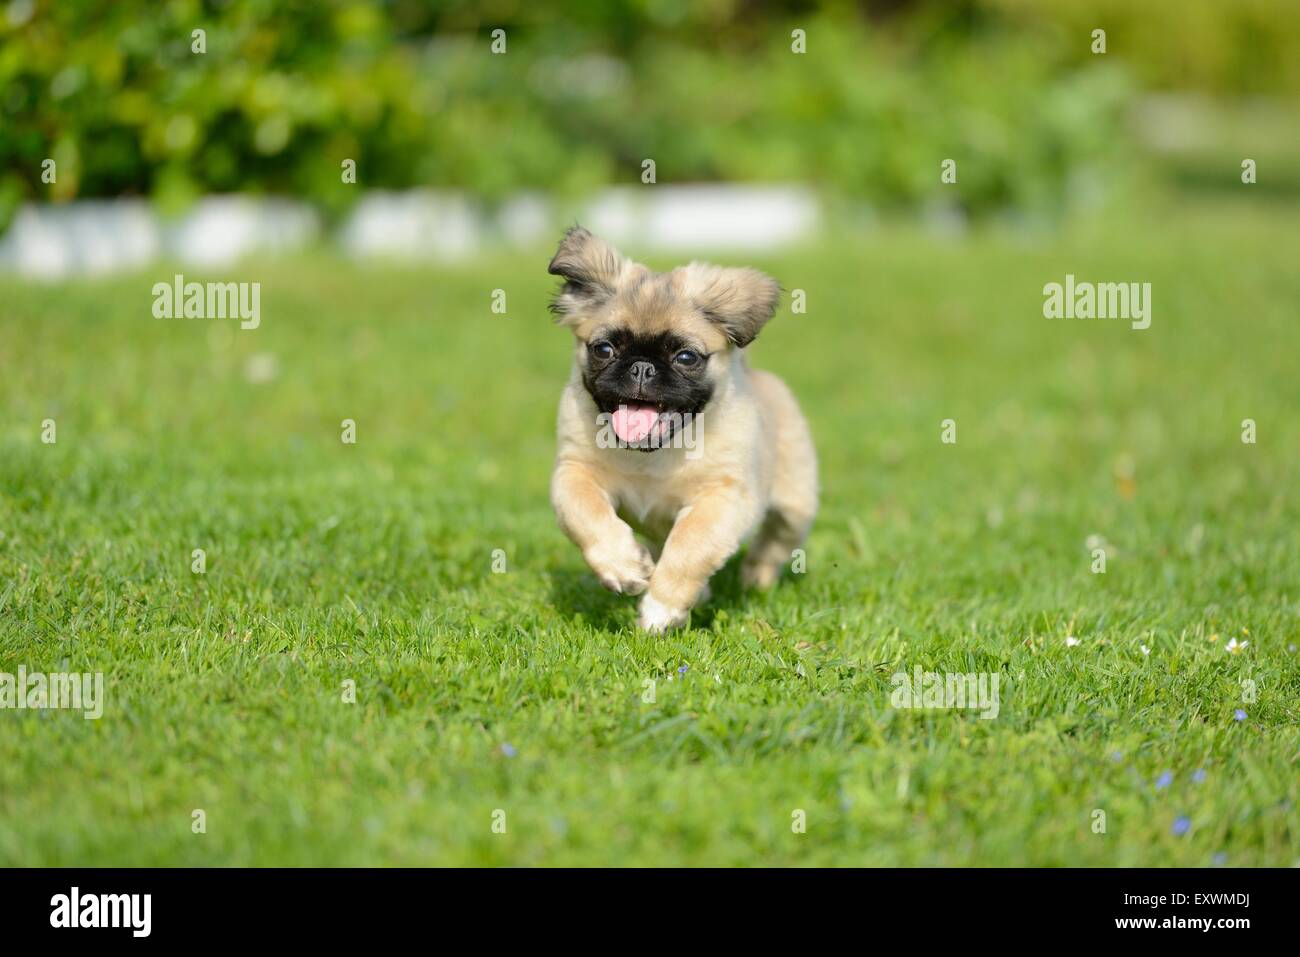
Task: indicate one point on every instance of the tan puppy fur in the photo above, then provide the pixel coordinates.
(676, 341)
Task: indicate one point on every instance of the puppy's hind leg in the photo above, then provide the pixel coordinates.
(783, 530)
(793, 501)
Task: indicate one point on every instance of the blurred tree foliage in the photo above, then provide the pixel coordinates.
(289, 89)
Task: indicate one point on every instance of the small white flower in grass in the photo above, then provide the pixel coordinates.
(1071, 641)
(1236, 647)
(1145, 650)
(261, 368)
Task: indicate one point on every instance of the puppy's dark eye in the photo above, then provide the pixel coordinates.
(602, 350)
(687, 358)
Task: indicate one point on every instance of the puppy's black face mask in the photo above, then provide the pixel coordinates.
(639, 379)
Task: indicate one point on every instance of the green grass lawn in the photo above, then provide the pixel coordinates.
(522, 691)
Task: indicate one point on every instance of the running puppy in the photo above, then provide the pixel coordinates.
(664, 429)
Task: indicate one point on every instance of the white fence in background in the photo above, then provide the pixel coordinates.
(101, 236)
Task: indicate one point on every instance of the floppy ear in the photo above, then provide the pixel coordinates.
(739, 301)
(590, 267)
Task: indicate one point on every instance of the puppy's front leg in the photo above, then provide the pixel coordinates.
(707, 533)
(587, 516)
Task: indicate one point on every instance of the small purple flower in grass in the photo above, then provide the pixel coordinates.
(1239, 715)
(682, 670)
(1164, 780)
(1220, 859)
(508, 749)
(1182, 825)
(1199, 775)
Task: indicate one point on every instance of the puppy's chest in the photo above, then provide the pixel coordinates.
(650, 504)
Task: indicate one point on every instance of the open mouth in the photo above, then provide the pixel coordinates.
(641, 423)
(646, 424)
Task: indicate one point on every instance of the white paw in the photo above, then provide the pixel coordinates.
(656, 617)
(624, 567)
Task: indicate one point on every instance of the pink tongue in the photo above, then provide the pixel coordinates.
(633, 423)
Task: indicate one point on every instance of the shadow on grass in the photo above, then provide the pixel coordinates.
(576, 594)
(732, 597)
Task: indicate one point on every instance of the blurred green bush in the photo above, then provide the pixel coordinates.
(411, 91)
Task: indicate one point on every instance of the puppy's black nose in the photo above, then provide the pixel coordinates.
(642, 371)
